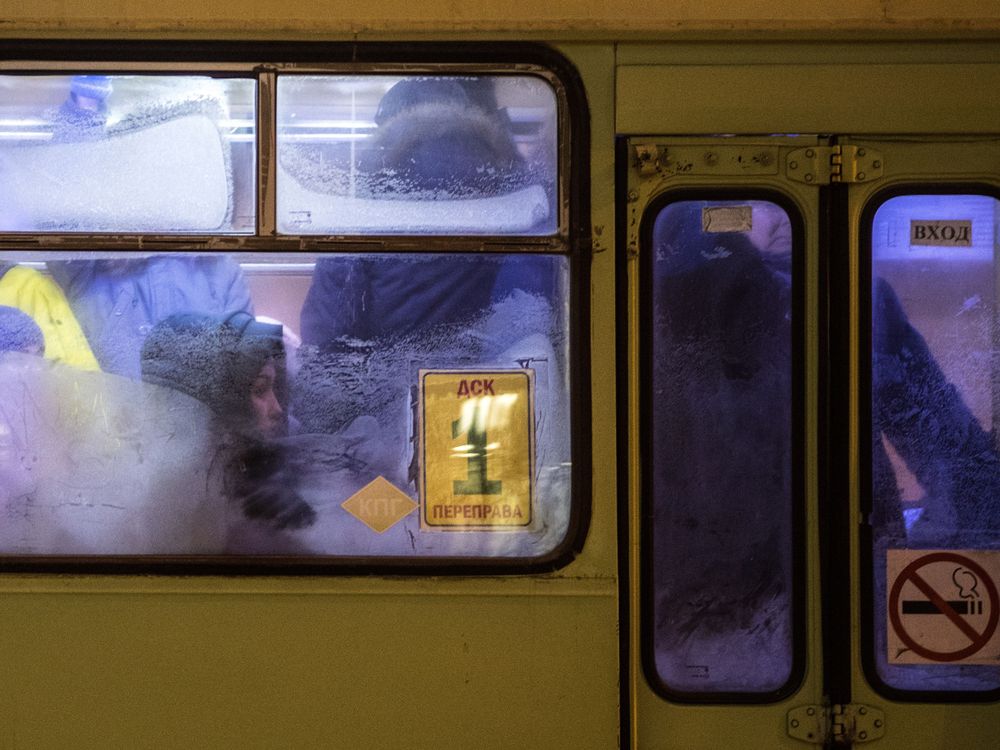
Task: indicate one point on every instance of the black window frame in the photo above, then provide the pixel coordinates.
(572, 239)
(798, 497)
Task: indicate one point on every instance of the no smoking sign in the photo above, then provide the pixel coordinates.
(943, 606)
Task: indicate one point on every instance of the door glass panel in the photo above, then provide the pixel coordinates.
(183, 404)
(150, 154)
(722, 415)
(935, 471)
(416, 155)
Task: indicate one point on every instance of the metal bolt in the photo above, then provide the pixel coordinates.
(876, 164)
(795, 723)
(861, 175)
(711, 158)
(811, 711)
(793, 165)
(808, 178)
(861, 152)
(878, 723)
(633, 195)
(862, 710)
(810, 153)
(863, 736)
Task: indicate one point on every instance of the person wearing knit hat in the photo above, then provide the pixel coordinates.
(19, 333)
(90, 92)
(84, 113)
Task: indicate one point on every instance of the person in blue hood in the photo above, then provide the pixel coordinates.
(118, 302)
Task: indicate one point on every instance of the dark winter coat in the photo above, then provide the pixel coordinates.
(929, 425)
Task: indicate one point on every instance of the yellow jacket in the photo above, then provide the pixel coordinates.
(42, 299)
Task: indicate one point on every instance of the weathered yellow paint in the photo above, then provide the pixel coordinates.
(818, 98)
(493, 661)
(324, 19)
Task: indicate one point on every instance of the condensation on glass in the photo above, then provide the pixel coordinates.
(127, 153)
(720, 403)
(416, 155)
(185, 404)
(934, 463)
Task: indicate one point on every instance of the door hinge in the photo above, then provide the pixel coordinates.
(823, 165)
(842, 723)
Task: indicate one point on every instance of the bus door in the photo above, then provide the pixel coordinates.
(921, 389)
(814, 475)
(721, 252)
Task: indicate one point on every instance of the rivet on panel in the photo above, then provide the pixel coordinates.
(811, 711)
(794, 723)
(793, 165)
(810, 153)
(808, 178)
(861, 175)
(876, 164)
(863, 736)
(861, 152)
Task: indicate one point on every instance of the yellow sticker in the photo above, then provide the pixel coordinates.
(477, 450)
(379, 504)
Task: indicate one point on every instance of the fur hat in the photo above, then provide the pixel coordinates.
(442, 135)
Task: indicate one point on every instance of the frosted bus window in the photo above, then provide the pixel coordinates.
(934, 464)
(416, 155)
(263, 404)
(149, 154)
(721, 446)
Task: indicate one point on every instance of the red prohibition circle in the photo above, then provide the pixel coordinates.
(897, 623)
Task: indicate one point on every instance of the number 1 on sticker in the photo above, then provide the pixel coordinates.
(475, 482)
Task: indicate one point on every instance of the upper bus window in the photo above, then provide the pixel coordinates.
(722, 434)
(122, 153)
(935, 469)
(416, 155)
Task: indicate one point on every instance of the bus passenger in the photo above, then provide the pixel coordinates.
(436, 139)
(118, 302)
(85, 111)
(235, 366)
(19, 333)
(927, 422)
(722, 436)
